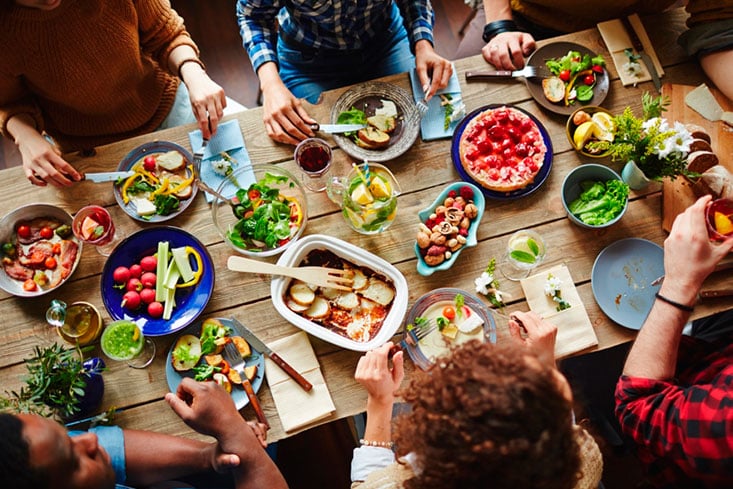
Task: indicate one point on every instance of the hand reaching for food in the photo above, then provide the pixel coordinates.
(540, 335)
(285, 118)
(506, 51)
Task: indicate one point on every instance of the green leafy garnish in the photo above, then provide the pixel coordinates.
(166, 204)
(522, 256)
(441, 322)
(533, 246)
(600, 202)
(204, 372)
(459, 301)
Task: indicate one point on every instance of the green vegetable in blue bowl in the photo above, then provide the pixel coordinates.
(594, 196)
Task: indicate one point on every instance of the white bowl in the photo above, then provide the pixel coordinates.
(295, 254)
(7, 234)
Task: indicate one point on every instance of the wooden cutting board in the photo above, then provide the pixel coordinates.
(678, 194)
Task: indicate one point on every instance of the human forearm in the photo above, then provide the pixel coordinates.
(21, 127)
(379, 421)
(497, 10)
(181, 61)
(256, 469)
(718, 67)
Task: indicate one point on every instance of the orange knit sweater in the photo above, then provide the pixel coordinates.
(90, 72)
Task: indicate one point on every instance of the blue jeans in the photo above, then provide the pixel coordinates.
(308, 72)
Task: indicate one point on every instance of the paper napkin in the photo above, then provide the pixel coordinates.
(574, 329)
(432, 125)
(617, 39)
(229, 139)
(296, 407)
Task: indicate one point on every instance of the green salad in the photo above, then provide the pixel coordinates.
(600, 202)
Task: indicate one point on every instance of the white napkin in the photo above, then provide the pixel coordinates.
(296, 407)
(574, 329)
(432, 125)
(617, 40)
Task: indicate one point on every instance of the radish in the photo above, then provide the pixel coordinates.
(155, 309)
(134, 285)
(149, 263)
(131, 300)
(136, 270)
(121, 275)
(147, 296)
(148, 280)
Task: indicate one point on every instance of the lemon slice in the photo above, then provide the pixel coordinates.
(584, 133)
(361, 195)
(723, 223)
(606, 126)
(380, 188)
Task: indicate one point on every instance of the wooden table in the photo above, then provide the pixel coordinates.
(422, 172)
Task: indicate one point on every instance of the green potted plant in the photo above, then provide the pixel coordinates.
(59, 384)
(652, 147)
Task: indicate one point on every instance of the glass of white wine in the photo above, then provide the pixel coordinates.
(78, 323)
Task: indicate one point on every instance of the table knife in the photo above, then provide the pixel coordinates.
(259, 345)
(110, 176)
(337, 128)
(639, 48)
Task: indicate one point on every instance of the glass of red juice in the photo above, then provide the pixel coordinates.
(313, 156)
(93, 225)
(719, 219)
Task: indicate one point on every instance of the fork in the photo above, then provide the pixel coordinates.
(527, 72)
(320, 276)
(413, 336)
(235, 361)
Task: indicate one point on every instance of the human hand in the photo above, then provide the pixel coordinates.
(207, 99)
(206, 407)
(540, 338)
(433, 70)
(506, 51)
(42, 162)
(378, 378)
(285, 118)
(689, 255)
(260, 431)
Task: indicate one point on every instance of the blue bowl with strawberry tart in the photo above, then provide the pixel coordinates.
(448, 226)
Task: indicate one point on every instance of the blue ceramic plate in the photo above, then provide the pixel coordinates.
(539, 179)
(478, 198)
(190, 301)
(621, 280)
(136, 155)
(238, 395)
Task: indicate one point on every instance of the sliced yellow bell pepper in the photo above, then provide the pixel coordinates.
(126, 186)
(185, 183)
(162, 189)
(571, 84)
(298, 209)
(196, 273)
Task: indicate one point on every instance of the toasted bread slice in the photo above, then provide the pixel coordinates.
(175, 180)
(186, 353)
(171, 161)
(319, 309)
(359, 280)
(553, 88)
(348, 301)
(330, 293)
(250, 372)
(302, 294)
(234, 377)
(373, 137)
(294, 306)
(242, 346)
(379, 291)
(383, 122)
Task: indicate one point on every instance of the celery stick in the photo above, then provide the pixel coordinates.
(170, 300)
(181, 258)
(172, 276)
(160, 271)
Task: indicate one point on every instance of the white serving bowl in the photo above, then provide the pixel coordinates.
(296, 253)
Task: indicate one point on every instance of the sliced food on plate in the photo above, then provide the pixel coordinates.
(575, 77)
(381, 124)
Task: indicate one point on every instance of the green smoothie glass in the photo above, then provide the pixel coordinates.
(123, 340)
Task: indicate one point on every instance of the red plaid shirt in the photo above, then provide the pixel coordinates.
(684, 427)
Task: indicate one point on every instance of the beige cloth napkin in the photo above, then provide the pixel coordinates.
(296, 407)
(574, 329)
(617, 39)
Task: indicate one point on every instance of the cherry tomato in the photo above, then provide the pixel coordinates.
(29, 285)
(254, 194)
(50, 263)
(46, 232)
(149, 163)
(283, 242)
(449, 312)
(56, 249)
(564, 75)
(589, 79)
(224, 367)
(597, 68)
(24, 231)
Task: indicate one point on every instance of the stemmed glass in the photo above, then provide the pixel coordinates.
(93, 225)
(313, 156)
(525, 250)
(124, 340)
(78, 323)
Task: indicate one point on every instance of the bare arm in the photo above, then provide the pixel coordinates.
(654, 353)
(719, 68)
(285, 118)
(506, 51)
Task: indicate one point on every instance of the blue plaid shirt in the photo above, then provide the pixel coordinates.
(326, 24)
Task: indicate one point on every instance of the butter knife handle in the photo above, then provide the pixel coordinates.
(254, 401)
(716, 293)
(482, 75)
(291, 372)
(635, 41)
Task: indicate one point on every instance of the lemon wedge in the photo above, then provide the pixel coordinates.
(606, 126)
(380, 188)
(723, 223)
(361, 195)
(584, 133)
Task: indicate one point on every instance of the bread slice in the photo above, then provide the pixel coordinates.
(301, 294)
(359, 280)
(348, 301)
(383, 122)
(379, 291)
(716, 181)
(700, 145)
(553, 88)
(295, 307)
(698, 132)
(176, 180)
(701, 161)
(172, 161)
(319, 309)
(373, 137)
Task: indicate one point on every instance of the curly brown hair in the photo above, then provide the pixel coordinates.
(488, 416)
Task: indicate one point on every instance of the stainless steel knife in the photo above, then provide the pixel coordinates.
(257, 344)
(639, 48)
(337, 128)
(109, 176)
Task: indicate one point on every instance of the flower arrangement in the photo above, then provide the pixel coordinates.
(487, 285)
(553, 286)
(659, 148)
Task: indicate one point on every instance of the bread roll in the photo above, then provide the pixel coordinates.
(717, 181)
(700, 161)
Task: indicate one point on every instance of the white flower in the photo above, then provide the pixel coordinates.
(552, 285)
(632, 68)
(459, 110)
(483, 282)
(221, 167)
(499, 295)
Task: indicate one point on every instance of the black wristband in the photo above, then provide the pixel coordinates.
(497, 27)
(679, 306)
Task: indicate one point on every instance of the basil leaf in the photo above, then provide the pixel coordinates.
(522, 256)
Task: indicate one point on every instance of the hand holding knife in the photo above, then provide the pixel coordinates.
(257, 344)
